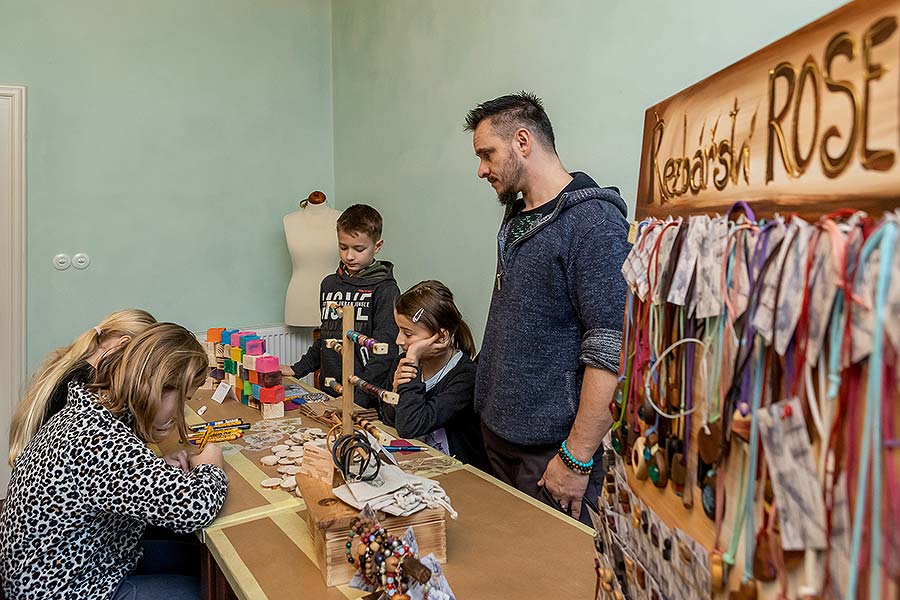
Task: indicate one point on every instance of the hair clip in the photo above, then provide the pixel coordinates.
(98, 330)
(418, 315)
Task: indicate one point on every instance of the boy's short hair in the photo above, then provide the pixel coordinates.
(361, 218)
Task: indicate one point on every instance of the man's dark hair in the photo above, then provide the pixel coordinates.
(508, 113)
(361, 218)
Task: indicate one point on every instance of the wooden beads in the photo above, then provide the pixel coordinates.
(641, 468)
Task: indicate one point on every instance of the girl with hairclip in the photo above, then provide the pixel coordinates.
(46, 394)
(435, 377)
(86, 486)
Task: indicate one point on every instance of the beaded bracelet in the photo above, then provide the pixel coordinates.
(583, 468)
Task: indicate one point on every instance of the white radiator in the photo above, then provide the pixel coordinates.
(289, 344)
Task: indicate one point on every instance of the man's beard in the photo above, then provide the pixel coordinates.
(514, 173)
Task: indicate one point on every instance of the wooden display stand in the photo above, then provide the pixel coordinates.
(765, 130)
(328, 518)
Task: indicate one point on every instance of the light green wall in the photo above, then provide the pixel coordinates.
(166, 139)
(406, 72)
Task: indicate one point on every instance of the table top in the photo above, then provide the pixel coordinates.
(504, 544)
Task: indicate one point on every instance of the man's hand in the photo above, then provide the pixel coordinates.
(287, 371)
(565, 486)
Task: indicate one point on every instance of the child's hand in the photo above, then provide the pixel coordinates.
(287, 370)
(210, 455)
(178, 459)
(406, 371)
(417, 350)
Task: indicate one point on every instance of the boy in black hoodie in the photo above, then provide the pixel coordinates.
(370, 286)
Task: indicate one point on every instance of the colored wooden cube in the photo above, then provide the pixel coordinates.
(220, 350)
(229, 366)
(271, 395)
(246, 338)
(217, 374)
(254, 377)
(256, 347)
(252, 403)
(214, 334)
(270, 379)
(245, 375)
(247, 385)
(249, 362)
(237, 355)
(254, 390)
(273, 411)
(235, 339)
(230, 379)
(226, 335)
(267, 364)
(238, 386)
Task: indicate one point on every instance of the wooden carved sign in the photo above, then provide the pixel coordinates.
(807, 124)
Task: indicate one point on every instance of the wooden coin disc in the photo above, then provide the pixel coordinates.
(272, 482)
(269, 460)
(709, 442)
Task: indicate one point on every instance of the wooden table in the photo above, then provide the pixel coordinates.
(504, 544)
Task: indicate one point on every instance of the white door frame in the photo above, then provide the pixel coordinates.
(12, 253)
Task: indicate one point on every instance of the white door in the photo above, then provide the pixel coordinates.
(12, 263)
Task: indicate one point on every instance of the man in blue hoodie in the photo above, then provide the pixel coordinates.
(550, 357)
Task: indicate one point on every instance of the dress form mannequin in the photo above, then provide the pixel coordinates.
(312, 242)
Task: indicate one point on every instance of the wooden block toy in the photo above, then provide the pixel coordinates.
(229, 366)
(244, 373)
(255, 347)
(267, 364)
(237, 355)
(210, 348)
(214, 334)
(230, 379)
(247, 386)
(252, 403)
(212, 361)
(217, 374)
(235, 339)
(254, 391)
(220, 350)
(273, 411)
(249, 362)
(271, 395)
(270, 379)
(246, 338)
(238, 386)
(254, 377)
(226, 335)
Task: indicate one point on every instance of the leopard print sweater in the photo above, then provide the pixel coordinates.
(80, 496)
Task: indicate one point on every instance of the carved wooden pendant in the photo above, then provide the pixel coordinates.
(659, 470)
(740, 426)
(678, 473)
(764, 568)
(716, 572)
(709, 442)
(747, 591)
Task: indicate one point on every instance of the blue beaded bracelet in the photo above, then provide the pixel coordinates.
(583, 465)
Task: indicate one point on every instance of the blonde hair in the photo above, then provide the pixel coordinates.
(165, 357)
(59, 364)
